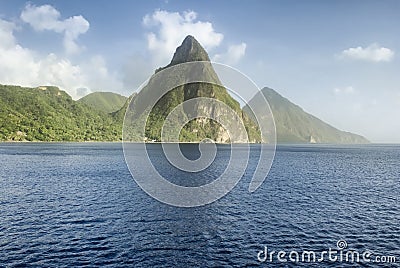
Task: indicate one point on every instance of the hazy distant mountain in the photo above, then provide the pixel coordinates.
(200, 128)
(107, 102)
(49, 114)
(293, 125)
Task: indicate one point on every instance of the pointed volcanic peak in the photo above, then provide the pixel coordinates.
(158, 98)
(190, 50)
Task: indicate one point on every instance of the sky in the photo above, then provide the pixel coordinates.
(339, 60)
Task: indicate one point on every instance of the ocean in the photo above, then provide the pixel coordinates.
(76, 204)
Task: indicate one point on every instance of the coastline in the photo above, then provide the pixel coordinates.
(219, 143)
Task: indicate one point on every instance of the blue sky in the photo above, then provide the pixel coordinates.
(339, 60)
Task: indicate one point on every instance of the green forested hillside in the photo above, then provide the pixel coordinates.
(49, 114)
(107, 102)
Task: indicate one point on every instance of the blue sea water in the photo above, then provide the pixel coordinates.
(76, 204)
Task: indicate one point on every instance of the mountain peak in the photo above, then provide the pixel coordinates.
(189, 50)
(294, 125)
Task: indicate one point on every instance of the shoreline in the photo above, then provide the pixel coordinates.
(277, 144)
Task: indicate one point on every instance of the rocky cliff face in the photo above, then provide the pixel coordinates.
(190, 50)
(201, 127)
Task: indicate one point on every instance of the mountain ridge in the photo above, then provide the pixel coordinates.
(47, 113)
(15, 126)
(294, 125)
(104, 101)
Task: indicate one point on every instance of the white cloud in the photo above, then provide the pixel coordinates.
(233, 55)
(349, 90)
(23, 66)
(6, 34)
(46, 17)
(172, 28)
(373, 52)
